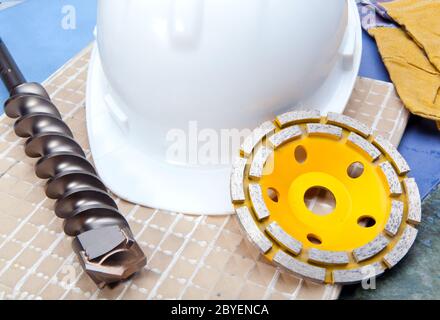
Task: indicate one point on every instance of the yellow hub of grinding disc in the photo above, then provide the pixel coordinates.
(324, 199)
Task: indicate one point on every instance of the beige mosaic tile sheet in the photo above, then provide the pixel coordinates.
(190, 257)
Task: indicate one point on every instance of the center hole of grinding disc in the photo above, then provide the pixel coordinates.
(320, 200)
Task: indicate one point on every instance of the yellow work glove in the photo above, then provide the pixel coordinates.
(416, 79)
(421, 20)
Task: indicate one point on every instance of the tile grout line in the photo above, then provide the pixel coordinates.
(46, 253)
(165, 272)
(200, 263)
(271, 284)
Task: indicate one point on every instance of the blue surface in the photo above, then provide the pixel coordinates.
(33, 32)
(371, 64)
(421, 148)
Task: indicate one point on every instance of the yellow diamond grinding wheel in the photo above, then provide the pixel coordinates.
(325, 199)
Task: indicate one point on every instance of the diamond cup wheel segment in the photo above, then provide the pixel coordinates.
(323, 198)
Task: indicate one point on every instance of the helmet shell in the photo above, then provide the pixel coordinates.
(161, 65)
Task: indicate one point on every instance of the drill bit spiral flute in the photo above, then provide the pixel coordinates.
(103, 240)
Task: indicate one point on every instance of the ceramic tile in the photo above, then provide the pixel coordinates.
(287, 283)
(183, 269)
(227, 288)
(169, 289)
(9, 250)
(11, 276)
(194, 293)
(160, 261)
(311, 291)
(206, 278)
(252, 292)
(171, 244)
(52, 292)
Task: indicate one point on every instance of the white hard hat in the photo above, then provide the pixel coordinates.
(175, 66)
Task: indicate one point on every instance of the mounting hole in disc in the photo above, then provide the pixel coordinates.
(300, 154)
(273, 194)
(314, 238)
(320, 200)
(366, 221)
(355, 170)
